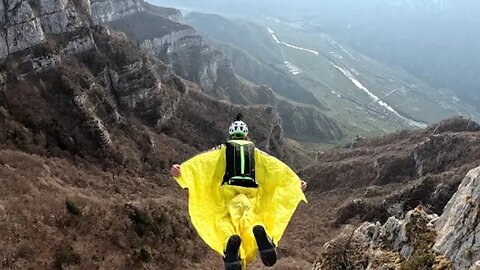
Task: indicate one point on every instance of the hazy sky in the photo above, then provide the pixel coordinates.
(319, 5)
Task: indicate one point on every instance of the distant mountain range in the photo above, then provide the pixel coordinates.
(383, 98)
(435, 40)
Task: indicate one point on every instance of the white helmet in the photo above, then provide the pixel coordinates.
(238, 130)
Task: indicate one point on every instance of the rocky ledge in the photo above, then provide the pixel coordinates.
(418, 241)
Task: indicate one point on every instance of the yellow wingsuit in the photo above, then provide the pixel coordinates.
(219, 211)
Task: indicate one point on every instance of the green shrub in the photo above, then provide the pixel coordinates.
(145, 255)
(66, 257)
(141, 221)
(423, 261)
(73, 209)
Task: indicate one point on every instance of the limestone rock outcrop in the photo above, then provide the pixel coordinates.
(459, 226)
(397, 244)
(28, 22)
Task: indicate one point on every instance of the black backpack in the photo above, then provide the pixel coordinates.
(240, 169)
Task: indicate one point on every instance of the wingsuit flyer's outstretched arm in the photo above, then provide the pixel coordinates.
(219, 211)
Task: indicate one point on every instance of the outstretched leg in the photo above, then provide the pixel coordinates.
(232, 256)
(265, 246)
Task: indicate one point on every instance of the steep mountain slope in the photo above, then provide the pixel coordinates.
(192, 58)
(242, 33)
(374, 179)
(89, 125)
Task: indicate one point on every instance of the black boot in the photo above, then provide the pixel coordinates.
(265, 246)
(232, 256)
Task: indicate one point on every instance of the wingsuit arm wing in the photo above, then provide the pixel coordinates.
(199, 170)
(202, 175)
(280, 193)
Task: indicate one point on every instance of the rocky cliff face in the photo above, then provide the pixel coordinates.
(397, 244)
(128, 82)
(109, 10)
(418, 241)
(176, 44)
(105, 11)
(459, 224)
(27, 23)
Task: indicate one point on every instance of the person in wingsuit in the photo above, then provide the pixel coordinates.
(240, 198)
